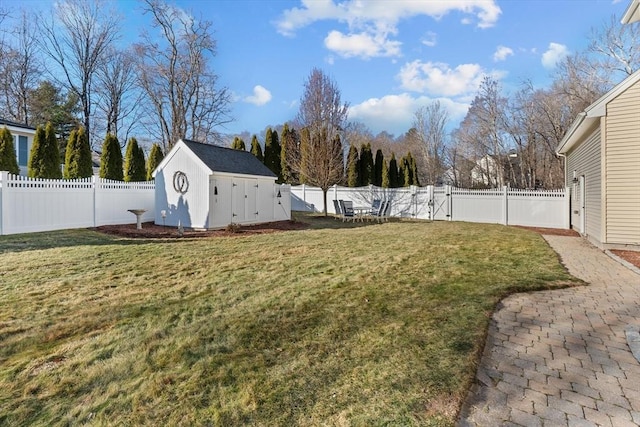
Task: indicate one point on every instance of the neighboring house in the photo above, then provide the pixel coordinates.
(602, 166)
(206, 187)
(633, 13)
(22, 141)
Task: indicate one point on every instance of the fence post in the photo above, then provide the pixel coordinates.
(3, 191)
(335, 192)
(449, 195)
(95, 200)
(567, 208)
(430, 201)
(505, 205)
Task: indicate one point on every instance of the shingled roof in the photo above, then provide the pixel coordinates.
(221, 159)
(5, 122)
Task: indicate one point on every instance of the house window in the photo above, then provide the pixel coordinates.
(23, 150)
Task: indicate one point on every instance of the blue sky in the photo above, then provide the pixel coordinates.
(388, 57)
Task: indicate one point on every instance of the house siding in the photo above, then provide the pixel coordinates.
(622, 163)
(585, 160)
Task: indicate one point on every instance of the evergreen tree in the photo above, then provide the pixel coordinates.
(414, 169)
(289, 142)
(155, 157)
(393, 172)
(366, 165)
(51, 164)
(377, 168)
(256, 149)
(353, 178)
(305, 155)
(272, 153)
(134, 163)
(238, 144)
(385, 175)
(406, 170)
(77, 158)
(44, 159)
(8, 160)
(111, 160)
(36, 156)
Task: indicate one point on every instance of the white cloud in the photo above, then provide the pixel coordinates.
(501, 53)
(364, 45)
(372, 24)
(394, 113)
(430, 39)
(439, 79)
(554, 54)
(260, 96)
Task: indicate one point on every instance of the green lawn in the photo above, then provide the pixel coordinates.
(363, 325)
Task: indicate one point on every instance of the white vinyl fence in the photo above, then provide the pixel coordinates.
(30, 205)
(532, 208)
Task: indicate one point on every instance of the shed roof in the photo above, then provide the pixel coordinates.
(222, 159)
(591, 115)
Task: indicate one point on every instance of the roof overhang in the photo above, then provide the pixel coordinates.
(584, 124)
(633, 13)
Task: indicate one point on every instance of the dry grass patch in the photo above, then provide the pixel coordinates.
(364, 325)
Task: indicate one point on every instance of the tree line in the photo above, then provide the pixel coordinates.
(45, 157)
(68, 66)
(360, 168)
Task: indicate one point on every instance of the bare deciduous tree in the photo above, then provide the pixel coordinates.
(118, 94)
(322, 117)
(20, 70)
(429, 126)
(176, 77)
(617, 49)
(76, 37)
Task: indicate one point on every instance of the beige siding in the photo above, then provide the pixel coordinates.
(585, 160)
(622, 163)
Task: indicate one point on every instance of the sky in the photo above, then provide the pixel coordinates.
(387, 57)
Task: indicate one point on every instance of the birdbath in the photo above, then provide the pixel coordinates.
(138, 213)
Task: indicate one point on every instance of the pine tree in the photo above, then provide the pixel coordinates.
(305, 143)
(366, 165)
(272, 153)
(134, 163)
(36, 156)
(111, 160)
(238, 144)
(8, 160)
(155, 157)
(393, 172)
(288, 143)
(414, 169)
(256, 149)
(51, 160)
(377, 168)
(352, 167)
(77, 157)
(385, 175)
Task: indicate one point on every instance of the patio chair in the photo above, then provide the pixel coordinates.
(375, 208)
(381, 210)
(336, 207)
(348, 214)
(386, 212)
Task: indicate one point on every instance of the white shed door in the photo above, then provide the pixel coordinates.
(237, 200)
(250, 200)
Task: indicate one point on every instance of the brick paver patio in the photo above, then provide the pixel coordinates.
(561, 358)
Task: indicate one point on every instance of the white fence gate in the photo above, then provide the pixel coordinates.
(532, 208)
(30, 205)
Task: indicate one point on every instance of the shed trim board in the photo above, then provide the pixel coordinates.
(632, 14)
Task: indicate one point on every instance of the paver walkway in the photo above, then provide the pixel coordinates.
(561, 358)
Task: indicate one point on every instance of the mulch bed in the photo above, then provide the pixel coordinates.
(632, 257)
(152, 231)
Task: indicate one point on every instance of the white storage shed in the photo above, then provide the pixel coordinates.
(204, 186)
